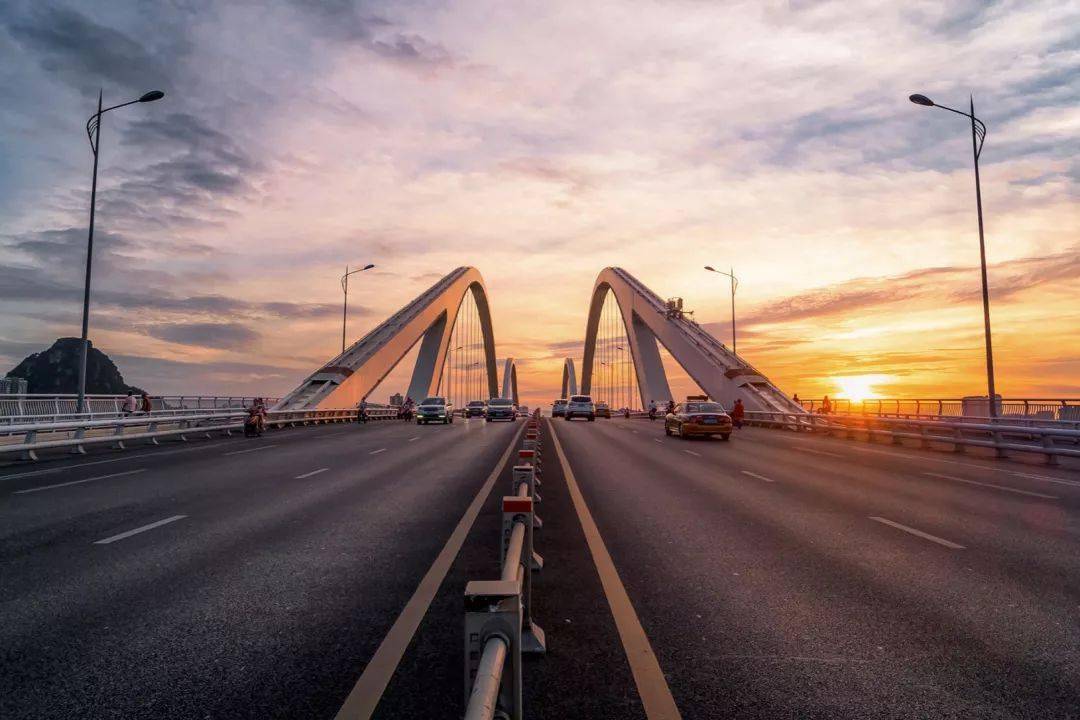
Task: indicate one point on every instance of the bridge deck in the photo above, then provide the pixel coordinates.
(778, 575)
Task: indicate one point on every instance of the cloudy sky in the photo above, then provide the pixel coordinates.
(542, 142)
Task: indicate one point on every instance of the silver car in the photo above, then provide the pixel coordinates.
(580, 406)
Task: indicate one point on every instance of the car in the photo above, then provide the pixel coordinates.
(603, 410)
(434, 409)
(580, 406)
(698, 418)
(475, 408)
(558, 408)
(500, 409)
(523, 411)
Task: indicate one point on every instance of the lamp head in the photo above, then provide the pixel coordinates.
(710, 268)
(368, 267)
(921, 100)
(152, 96)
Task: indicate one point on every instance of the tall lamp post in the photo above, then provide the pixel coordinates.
(734, 286)
(93, 132)
(345, 305)
(450, 371)
(978, 135)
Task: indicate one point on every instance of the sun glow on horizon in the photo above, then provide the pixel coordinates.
(857, 388)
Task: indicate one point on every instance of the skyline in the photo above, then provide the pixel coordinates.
(541, 144)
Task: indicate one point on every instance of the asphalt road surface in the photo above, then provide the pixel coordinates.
(774, 576)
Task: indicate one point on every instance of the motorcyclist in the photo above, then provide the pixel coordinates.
(361, 411)
(652, 409)
(257, 415)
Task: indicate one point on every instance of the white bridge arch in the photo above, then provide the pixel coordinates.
(716, 370)
(569, 378)
(509, 382)
(429, 319)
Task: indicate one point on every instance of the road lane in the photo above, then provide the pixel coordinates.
(784, 599)
(262, 602)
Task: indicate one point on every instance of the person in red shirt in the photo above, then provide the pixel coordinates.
(737, 413)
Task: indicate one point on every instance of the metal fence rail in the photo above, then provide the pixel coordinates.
(499, 626)
(1001, 436)
(27, 439)
(1047, 409)
(60, 407)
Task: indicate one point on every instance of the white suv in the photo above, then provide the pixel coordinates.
(580, 406)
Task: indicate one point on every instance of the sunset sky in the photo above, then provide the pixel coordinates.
(541, 142)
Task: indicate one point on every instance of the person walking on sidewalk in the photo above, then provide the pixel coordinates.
(129, 403)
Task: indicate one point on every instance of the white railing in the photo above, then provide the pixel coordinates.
(59, 407)
(1026, 409)
(1002, 436)
(27, 439)
(499, 626)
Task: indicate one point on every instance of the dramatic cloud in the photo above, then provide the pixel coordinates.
(213, 335)
(541, 143)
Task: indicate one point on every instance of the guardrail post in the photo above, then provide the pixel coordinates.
(119, 433)
(29, 440)
(515, 506)
(519, 509)
(1048, 443)
(493, 611)
(958, 441)
(152, 427)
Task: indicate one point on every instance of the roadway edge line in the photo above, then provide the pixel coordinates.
(368, 691)
(651, 684)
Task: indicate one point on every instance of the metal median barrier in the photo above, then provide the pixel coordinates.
(1002, 436)
(29, 438)
(499, 627)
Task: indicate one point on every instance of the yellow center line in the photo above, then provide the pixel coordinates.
(651, 684)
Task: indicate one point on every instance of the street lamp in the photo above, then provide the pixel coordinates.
(734, 285)
(93, 132)
(345, 305)
(978, 135)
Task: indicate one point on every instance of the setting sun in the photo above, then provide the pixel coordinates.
(859, 387)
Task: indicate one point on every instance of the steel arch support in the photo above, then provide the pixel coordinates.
(715, 369)
(569, 379)
(431, 316)
(509, 381)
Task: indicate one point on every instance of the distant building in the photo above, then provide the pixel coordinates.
(12, 386)
(396, 400)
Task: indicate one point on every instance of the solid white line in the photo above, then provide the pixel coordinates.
(77, 482)
(657, 440)
(309, 474)
(651, 684)
(919, 533)
(138, 530)
(365, 695)
(376, 452)
(991, 485)
(819, 452)
(254, 449)
(414, 438)
(755, 475)
(691, 452)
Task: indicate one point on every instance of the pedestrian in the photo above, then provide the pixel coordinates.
(826, 406)
(129, 403)
(737, 413)
(361, 411)
(146, 405)
(796, 399)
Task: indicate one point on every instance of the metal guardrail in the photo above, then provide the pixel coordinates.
(61, 407)
(499, 626)
(1001, 436)
(1033, 409)
(79, 433)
